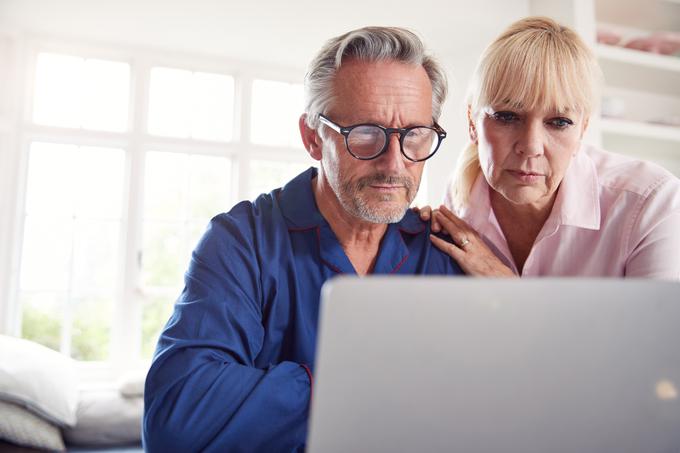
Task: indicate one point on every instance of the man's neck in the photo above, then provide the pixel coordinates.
(359, 239)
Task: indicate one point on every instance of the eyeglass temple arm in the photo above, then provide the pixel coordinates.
(329, 123)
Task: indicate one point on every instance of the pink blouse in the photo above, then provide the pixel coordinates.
(613, 216)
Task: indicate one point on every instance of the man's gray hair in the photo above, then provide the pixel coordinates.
(368, 44)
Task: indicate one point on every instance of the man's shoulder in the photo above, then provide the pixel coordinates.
(250, 215)
(418, 231)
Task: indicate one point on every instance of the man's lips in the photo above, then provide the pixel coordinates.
(386, 187)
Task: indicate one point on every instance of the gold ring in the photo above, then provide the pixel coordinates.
(464, 242)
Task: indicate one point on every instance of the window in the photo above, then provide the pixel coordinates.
(116, 199)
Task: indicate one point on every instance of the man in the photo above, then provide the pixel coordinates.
(233, 367)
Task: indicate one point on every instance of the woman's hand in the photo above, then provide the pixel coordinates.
(468, 249)
(426, 214)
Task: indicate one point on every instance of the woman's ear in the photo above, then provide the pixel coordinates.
(472, 130)
(310, 138)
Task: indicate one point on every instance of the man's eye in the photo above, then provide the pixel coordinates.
(505, 117)
(560, 123)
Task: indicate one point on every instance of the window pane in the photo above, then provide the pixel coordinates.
(42, 317)
(185, 104)
(95, 256)
(266, 175)
(50, 190)
(277, 107)
(170, 102)
(163, 258)
(213, 107)
(156, 312)
(99, 177)
(58, 96)
(164, 187)
(209, 187)
(91, 331)
(46, 254)
(106, 95)
(76, 92)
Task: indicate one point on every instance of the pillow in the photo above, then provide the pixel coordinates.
(131, 384)
(105, 418)
(21, 427)
(39, 379)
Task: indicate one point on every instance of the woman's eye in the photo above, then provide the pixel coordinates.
(560, 123)
(505, 117)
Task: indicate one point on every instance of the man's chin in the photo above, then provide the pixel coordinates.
(384, 212)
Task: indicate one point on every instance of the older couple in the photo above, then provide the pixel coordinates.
(233, 369)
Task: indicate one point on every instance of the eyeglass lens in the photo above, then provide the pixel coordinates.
(367, 141)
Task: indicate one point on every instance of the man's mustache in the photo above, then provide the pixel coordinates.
(391, 180)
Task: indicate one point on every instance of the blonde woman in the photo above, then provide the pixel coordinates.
(529, 198)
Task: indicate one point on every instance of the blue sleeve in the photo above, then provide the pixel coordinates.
(203, 391)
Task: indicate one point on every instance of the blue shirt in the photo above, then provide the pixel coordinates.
(233, 366)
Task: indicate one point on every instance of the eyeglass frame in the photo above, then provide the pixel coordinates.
(402, 131)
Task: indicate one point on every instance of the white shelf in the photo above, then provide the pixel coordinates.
(637, 57)
(638, 129)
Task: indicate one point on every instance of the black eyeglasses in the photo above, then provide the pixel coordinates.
(368, 141)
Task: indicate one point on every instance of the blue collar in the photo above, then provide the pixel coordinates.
(298, 206)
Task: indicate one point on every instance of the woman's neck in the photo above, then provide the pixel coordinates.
(521, 224)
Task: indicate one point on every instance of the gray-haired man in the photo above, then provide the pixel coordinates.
(233, 367)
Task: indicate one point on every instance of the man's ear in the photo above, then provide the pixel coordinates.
(310, 138)
(472, 130)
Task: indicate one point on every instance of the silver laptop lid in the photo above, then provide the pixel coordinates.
(442, 364)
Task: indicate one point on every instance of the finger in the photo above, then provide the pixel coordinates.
(447, 225)
(426, 212)
(435, 225)
(450, 249)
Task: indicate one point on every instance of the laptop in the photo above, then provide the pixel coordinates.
(455, 364)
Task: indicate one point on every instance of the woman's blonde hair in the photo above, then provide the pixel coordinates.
(535, 63)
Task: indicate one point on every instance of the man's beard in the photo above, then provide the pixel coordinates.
(353, 199)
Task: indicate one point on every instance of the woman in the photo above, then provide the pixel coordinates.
(529, 198)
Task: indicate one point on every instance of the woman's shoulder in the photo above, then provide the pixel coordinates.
(619, 172)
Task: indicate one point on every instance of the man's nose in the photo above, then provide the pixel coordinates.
(392, 159)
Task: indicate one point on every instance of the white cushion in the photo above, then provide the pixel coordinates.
(21, 427)
(39, 379)
(105, 418)
(131, 384)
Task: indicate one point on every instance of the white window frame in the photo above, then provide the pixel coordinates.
(126, 323)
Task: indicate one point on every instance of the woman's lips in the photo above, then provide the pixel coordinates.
(527, 177)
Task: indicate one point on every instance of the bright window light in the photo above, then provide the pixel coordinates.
(71, 246)
(422, 198)
(81, 93)
(182, 193)
(276, 109)
(267, 175)
(187, 104)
